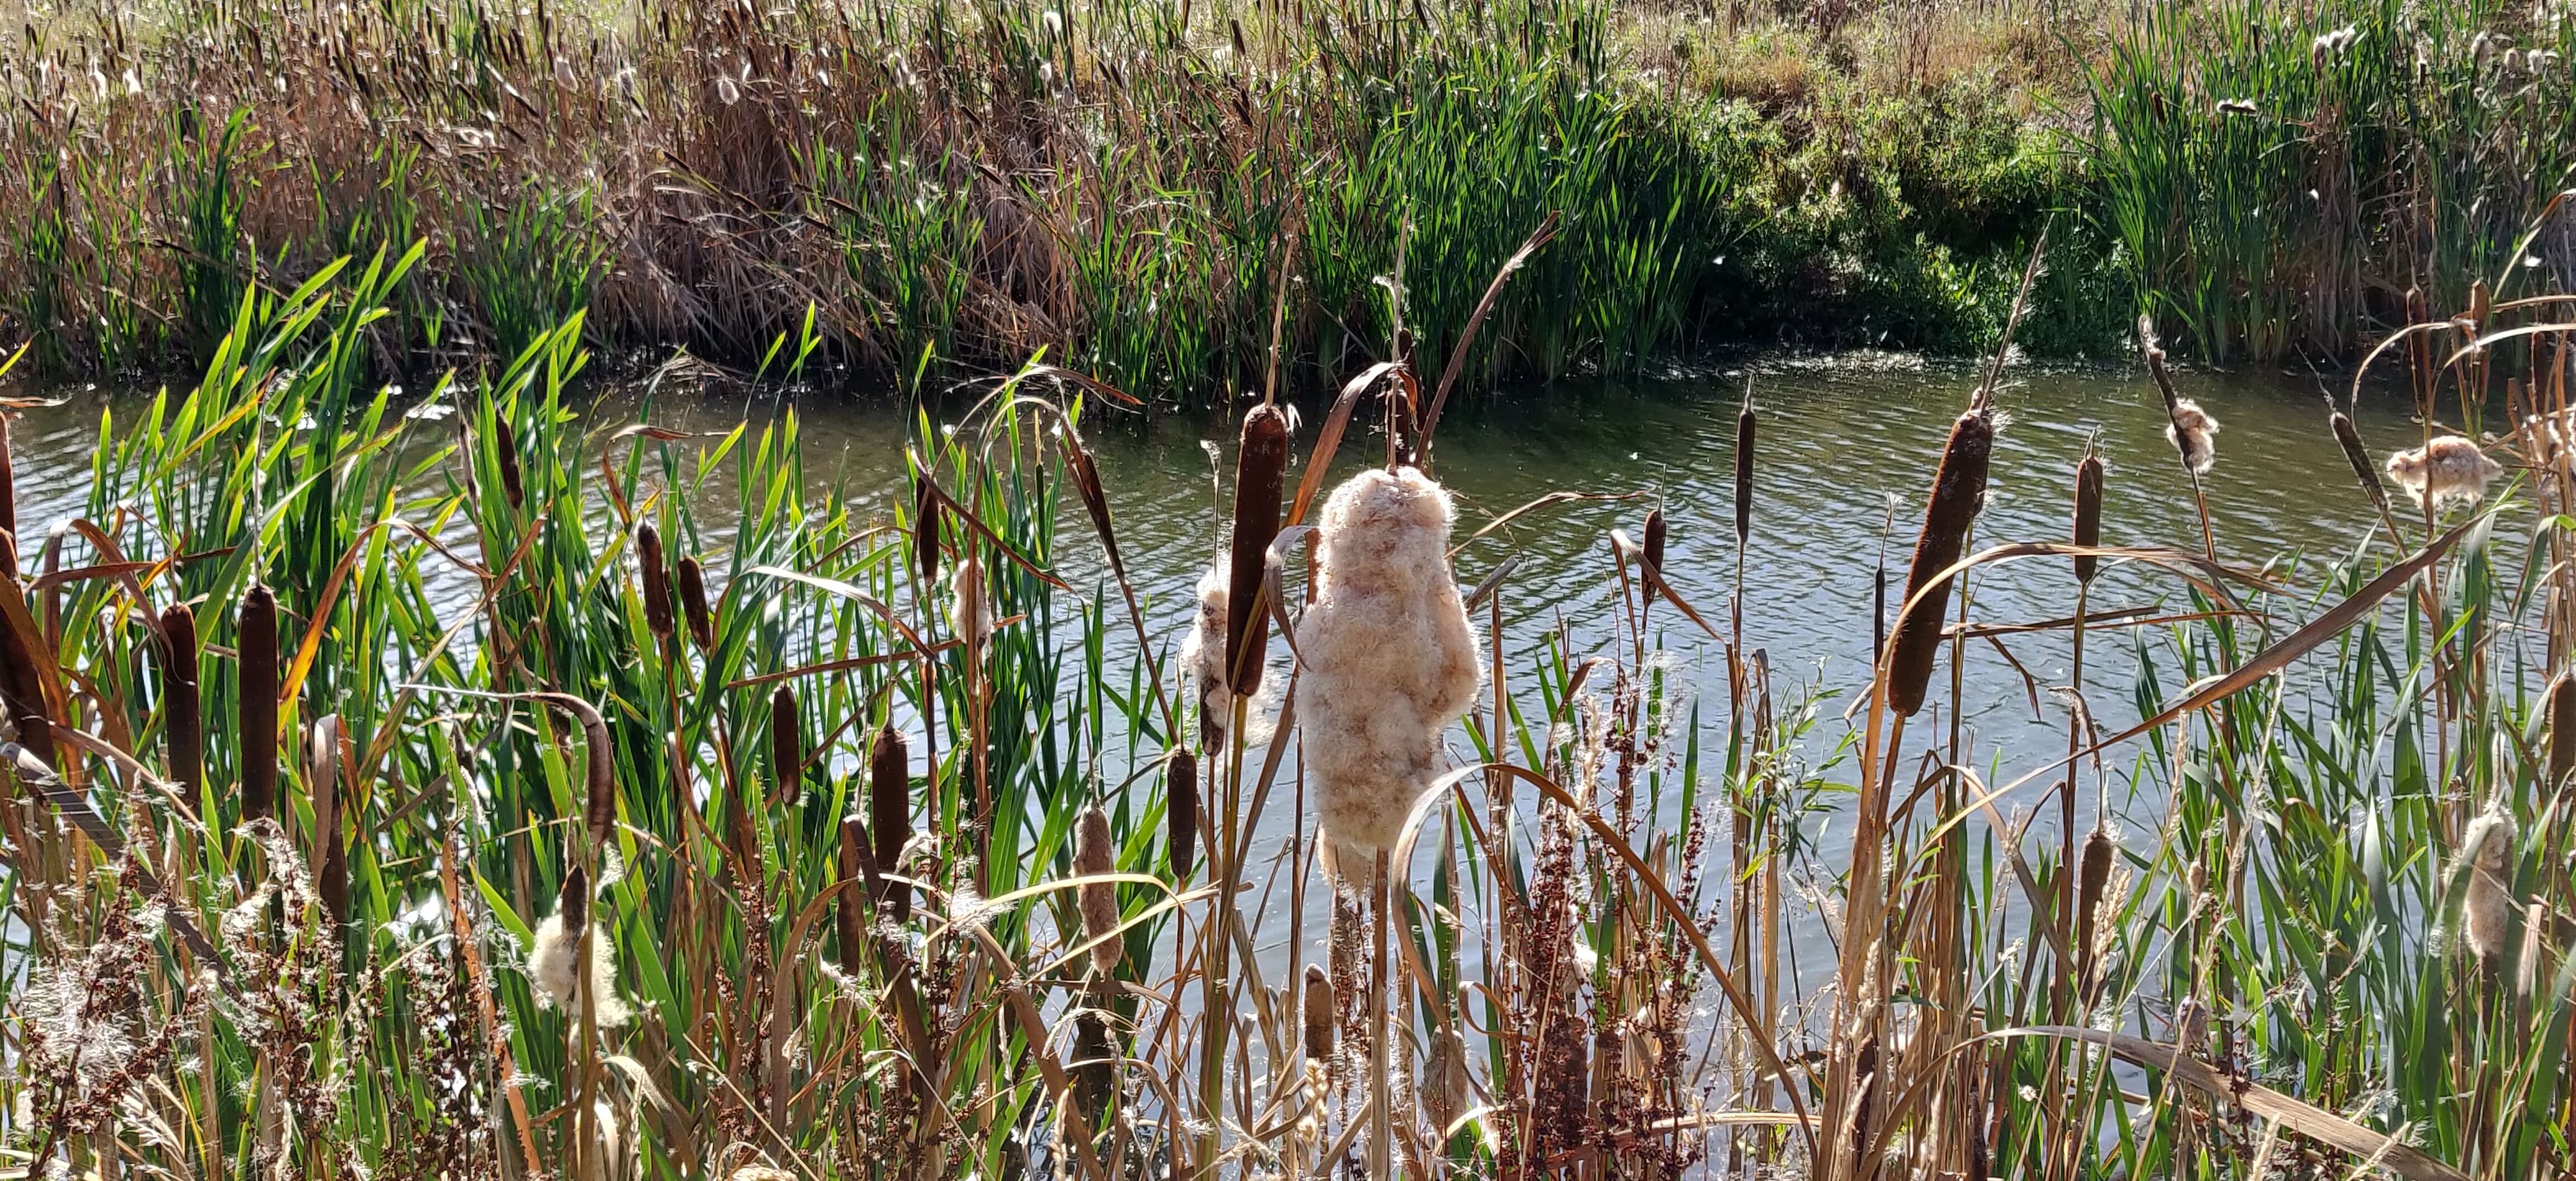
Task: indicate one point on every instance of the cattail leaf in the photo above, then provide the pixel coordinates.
(1328, 441)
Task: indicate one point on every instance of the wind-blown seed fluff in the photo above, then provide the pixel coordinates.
(2193, 433)
(1203, 666)
(2450, 472)
(1389, 660)
(2485, 912)
(1095, 852)
(554, 957)
(968, 617)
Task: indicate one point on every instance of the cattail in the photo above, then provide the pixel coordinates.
(2447, 472)
(2562, 728)
(925, 530)
(1260, 476)
(2526, 967)
(1320, 1013)
(2348, 437)
(2088, 515)
(1390, 661)
(1958, 492)
(1744, 423)
(1652, 552)
(257, 642)
(331, 860)
(183, 720)
(2486, 911)
(1094, 1065)
(20, 689)
(855, 863)
(2093, 876)
(2189, 428)
(1446, 1085)
(786, 747)
(1181, 810)
(968, 618)
(1095, 852)
(890, 814)
(1203, 664)
(554, 955)
(505, 447)
(693, 605)
(657, 579)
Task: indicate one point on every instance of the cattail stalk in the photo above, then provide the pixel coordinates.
(183, 721)
(693, 605)
(890, 815)
(257, 642)
(1260, 477)
(505, 448)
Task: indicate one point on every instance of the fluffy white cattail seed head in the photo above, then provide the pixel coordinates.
(2449, 472)
(2486, 913)
(1095, 852)
(554, 959)
(969, 617)
(1389, 660)
(1203, 663)
(2195, 434)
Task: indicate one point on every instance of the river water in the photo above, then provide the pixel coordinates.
(1842, 438)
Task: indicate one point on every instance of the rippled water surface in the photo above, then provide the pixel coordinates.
(1841, 441)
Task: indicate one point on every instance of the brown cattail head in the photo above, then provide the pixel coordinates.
(1095, 498)
(1260, 476)
(1094, 1065)
(505, 446)
(1095, 853)
(857, 863)
(2417, 310)
(1744, 423)
(183, 718)
(257, 642)
(1658, 535)
(331, 859)
(2481, 305)
(573, 902)
(925, 530)
(693, 605)
(890, 814)
(657, 579)
(2092, 877)
(786, 747)
(2348, 437)
(1320, 1014)
(2088, 514)
(1958, 492)
(2485, 912)
(1181, 810)
(2562, 729)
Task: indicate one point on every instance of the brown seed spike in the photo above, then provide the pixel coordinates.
(657, 579)
(2092, 877)
(1320, 1015)
(925, 531)
(1657, 535)
(183, 720)
(505, 445)
(1181, 810)
(257, 642)
(1260, 475)
(786, 747)
(2088, 515)
(693, 605)
(573, 903)
(1958, 492)
(1744, 424)
(890, 814)
(1095, 854)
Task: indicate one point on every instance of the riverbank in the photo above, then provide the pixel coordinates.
(908, 193)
